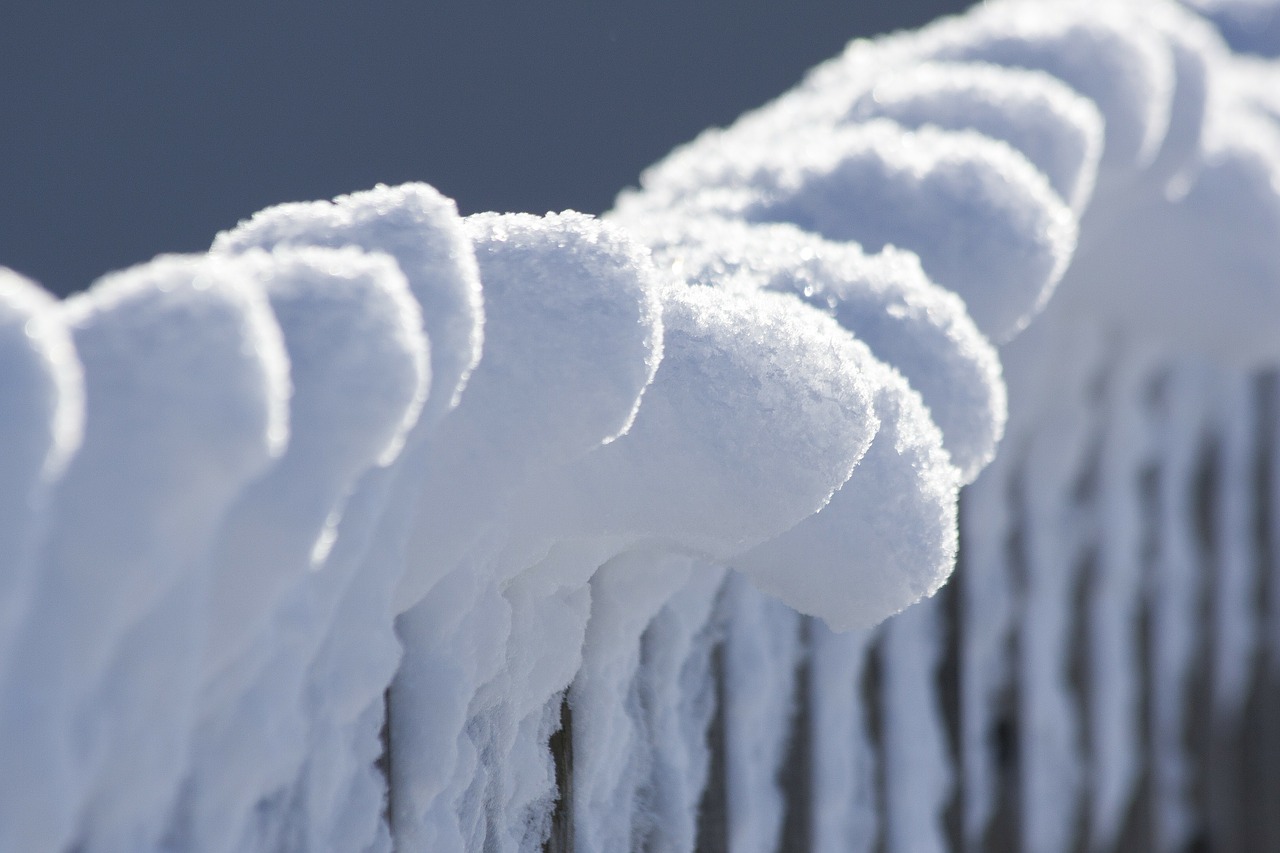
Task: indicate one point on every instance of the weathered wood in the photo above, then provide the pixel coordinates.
(561, 837)
(795, 777)
(713, 812)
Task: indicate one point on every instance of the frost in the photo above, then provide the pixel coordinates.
(1009, 236)
(1109, 57)
(186, 383)
(377, 528)
(353, 333)
(1059, 131)
(41, 427)
(573, 340)
(884, 299)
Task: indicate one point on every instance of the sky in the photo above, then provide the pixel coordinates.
(139, 127)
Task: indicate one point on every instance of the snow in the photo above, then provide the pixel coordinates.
(917, 769)
(1108, 56)
(573, 340)
(1082, 373)
(1234, 617)
(884, 299)
(1176, 603)
(1009, 235)
(608, 715)
(1118, 476)
(677, 687)
(420, 229)
(353, 332)
(1055, 128)
(377, 527)
(41, 427)
(739, 376)
(762, 650)
(575, 337)
(845, 813)
(886, 539)
(757, 413)
(987, 535)
(186, 383)
(1249, 26)
(341, 649)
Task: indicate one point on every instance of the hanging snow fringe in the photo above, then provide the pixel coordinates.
(378, 528)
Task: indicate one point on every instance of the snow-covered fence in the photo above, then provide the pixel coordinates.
(376, 527)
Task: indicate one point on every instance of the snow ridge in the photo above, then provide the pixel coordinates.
(380, 528)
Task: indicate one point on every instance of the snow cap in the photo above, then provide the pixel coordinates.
(884, 299)
(421, 230)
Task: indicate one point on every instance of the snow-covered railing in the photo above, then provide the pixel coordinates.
(377, 527)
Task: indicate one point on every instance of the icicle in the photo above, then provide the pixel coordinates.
(1114, 598)
(1269, 435)
(677, 695)
(610, 737)
(846, 808)
(433, 690)
(989, 604)
(1234, 617)
(652, 490)
(762, 651)
(917, 760)
(573, 340)
(1050, 748)
(1175, 587)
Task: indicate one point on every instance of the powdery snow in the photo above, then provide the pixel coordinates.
(376, 527)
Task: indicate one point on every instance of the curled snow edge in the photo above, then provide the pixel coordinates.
(311, 538)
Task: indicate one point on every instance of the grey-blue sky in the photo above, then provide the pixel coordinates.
(142, 126)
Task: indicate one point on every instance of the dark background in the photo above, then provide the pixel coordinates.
(134, 127)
